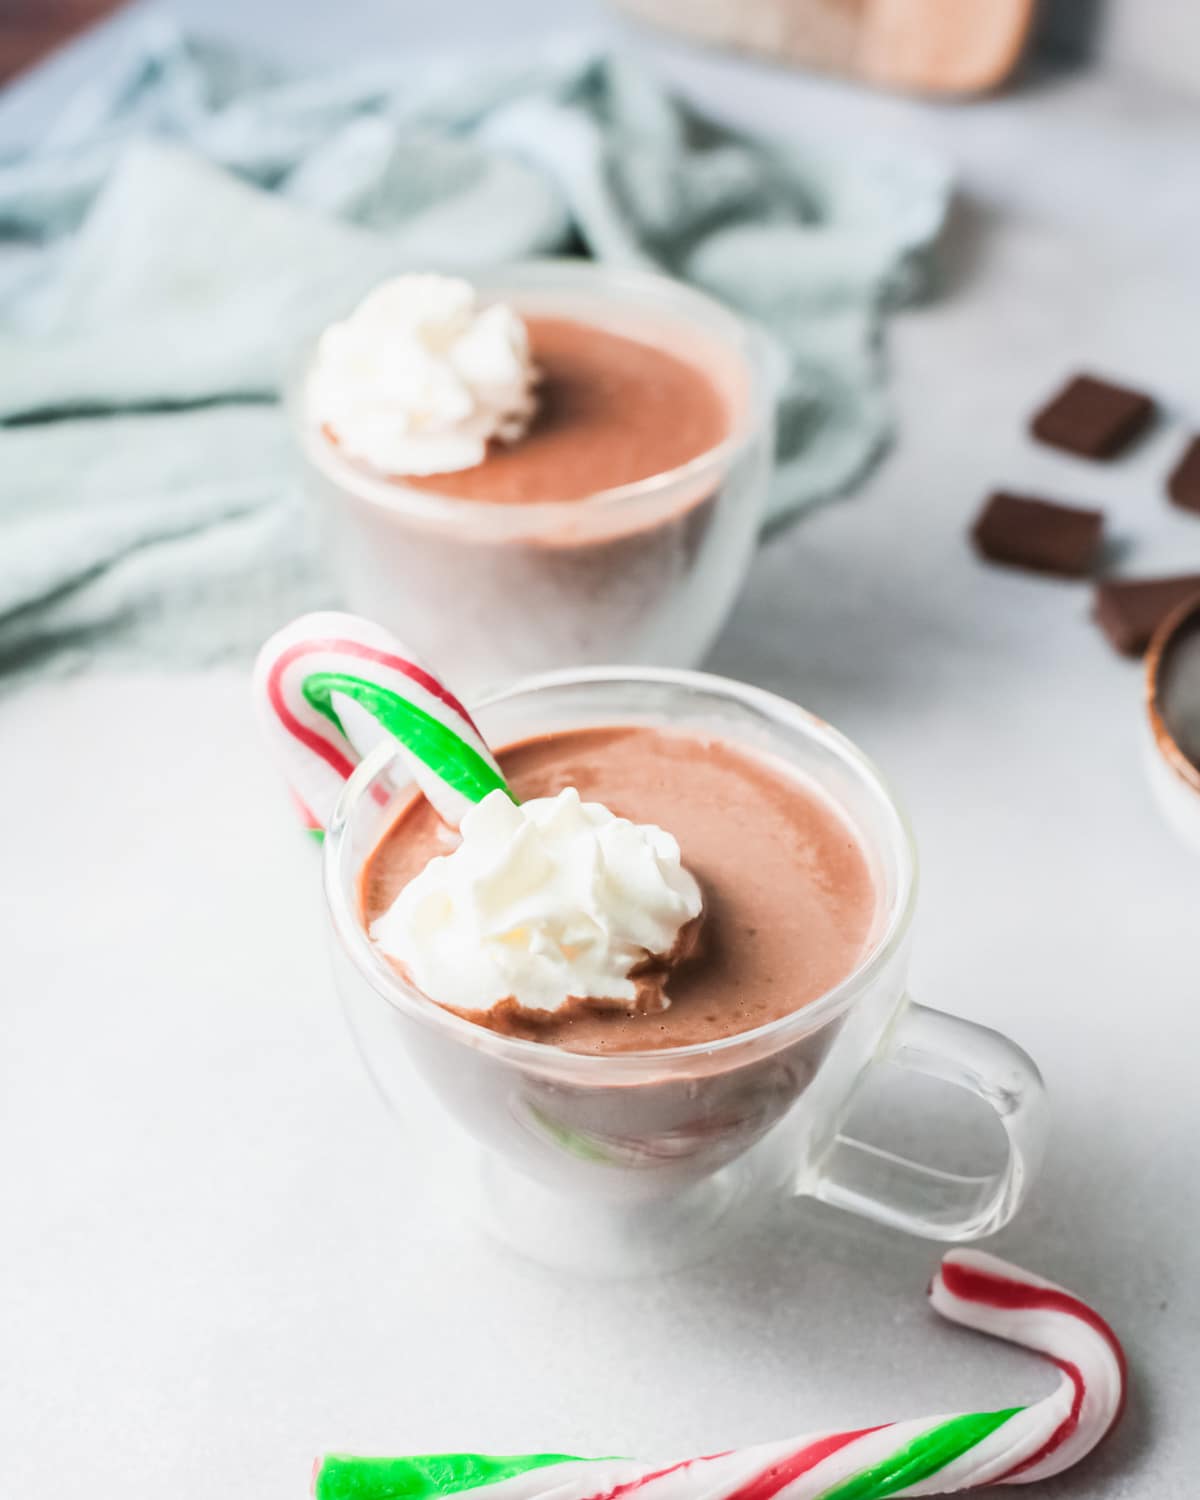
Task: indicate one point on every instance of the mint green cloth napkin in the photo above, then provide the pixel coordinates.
(198, 213)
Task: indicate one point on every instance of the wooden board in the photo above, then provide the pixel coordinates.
(29, 29)
(921, 46)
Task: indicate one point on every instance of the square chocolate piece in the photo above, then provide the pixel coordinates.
(1129, 610)
(1184, 483)
(1039, 534)
(1092, 418)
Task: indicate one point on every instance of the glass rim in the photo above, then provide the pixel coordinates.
(748, 338)
(608, 1067)
(1182, 620)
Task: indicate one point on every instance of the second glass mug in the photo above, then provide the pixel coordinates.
(638, 1161)
(646, 572)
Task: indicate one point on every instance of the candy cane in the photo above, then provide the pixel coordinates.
(928, 1456)
(330, 685)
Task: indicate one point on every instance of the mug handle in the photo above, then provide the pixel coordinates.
(923, 1200)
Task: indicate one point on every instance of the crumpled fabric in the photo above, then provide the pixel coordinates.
(198, 214)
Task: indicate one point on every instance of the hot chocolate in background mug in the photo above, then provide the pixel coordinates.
(638, 1160)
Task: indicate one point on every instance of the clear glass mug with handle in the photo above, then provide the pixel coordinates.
(639, 1161)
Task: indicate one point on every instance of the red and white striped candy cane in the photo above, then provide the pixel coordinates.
(926, 1456)
(330, 685)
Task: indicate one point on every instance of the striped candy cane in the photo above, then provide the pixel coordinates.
(329, 686)
(927, 1456)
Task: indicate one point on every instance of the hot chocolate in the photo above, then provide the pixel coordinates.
(611, 411)
(789, 902)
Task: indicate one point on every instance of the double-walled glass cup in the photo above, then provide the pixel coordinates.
(638, 1160)
(646, 572)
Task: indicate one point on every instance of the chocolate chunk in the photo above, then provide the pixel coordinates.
(1184, 483)
(1128, 610)
(1039, 534)
(1092, 418)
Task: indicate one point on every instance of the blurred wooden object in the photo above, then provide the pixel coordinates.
(921, 46)
(29, 29)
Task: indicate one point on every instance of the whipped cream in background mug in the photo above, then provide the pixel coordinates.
(420, 378)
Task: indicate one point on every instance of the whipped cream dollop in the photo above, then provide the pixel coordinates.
(543, 903)
(420, 377)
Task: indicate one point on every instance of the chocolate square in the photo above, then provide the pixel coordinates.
(1184, 483)
(1039, 534)
(1129, 610)
(1092, 418)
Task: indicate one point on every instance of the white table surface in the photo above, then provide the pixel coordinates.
(219, 1252)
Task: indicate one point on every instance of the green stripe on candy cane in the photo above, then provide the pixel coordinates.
(431, 1474)
(922, 1458)
(444, 752)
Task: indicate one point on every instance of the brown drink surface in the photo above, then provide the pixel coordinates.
(789, 897)
(612, 410)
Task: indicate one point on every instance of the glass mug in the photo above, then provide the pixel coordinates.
(639, 1161)
(646, 572)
